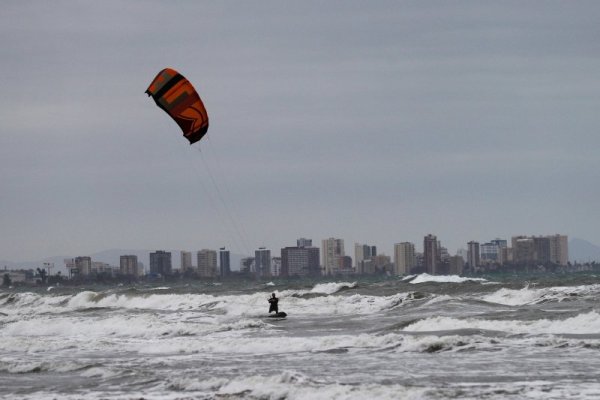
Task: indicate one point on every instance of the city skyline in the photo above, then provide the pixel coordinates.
(306, 259)
(377, 124)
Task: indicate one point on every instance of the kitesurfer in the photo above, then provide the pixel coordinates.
(273, 304)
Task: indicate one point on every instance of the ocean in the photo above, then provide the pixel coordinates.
(422, 337)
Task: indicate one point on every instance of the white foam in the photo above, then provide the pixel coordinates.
(588, 323)
(18, 366)
(98, 372)
(527, 295)
(208, 309)
(140, 326)
(289, 385)
(293, 385)
(235, 344)
(331, 287)
(439, 299)
(512, 297)
(422, 278)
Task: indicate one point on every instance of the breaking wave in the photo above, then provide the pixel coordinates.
(423, 278)
(527, 295)
(586, 323)
(332, 287)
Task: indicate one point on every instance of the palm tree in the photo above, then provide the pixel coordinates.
(43, 274)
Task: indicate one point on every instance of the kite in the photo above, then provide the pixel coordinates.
(178, 98)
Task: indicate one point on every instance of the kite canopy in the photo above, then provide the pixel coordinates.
(178, 98)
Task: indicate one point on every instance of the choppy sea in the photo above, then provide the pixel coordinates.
(422, 337)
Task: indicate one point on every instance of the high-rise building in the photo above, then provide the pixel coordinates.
(506, 255)
(404, 258)
(128, 265)
(160, 263)
(473, 255)
(383, 263)
(102, 268)
(490, 253)
(83, 265)
(523, 250)
(345, 265)
(540, 250)
(444, 255)
(363, 252)
(207, 263)
(501, 243)
(247, 265)
(503, 253)
(300, 261)
(275, 266)
(303, 242)
(224, 263)
(456, 265)
(262, 262)
(186, 261)
(431, 257)
(559, 249)
(332, 250)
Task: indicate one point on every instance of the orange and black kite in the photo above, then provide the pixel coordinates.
(178, 98)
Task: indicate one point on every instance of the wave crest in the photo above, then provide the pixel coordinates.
(332, 287)
(423, 278)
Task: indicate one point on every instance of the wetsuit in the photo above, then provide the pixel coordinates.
(273, 305)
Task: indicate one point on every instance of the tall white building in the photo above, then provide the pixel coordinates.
(262, 262)
(276, 266)
(207, 263)
(559, 249)
(128, 265)
(333, 252)
(473, 256)
(404, 258)
(363, 252)
(83, 265)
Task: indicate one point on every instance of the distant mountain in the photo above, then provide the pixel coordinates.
(583, 251)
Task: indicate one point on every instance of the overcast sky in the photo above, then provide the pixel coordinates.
(375, 122)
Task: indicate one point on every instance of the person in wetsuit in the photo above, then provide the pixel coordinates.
(273, 304)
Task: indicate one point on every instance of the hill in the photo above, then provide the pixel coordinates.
(581, 251)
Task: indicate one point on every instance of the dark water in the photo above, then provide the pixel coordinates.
(430, 338)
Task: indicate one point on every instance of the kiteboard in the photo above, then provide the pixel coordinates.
(279, 315)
